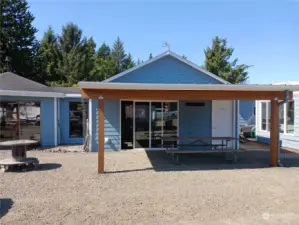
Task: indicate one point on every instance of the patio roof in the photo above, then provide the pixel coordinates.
(145, 91)
(219, 87)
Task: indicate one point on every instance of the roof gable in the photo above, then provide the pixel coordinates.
(167, 68)
(11, 81)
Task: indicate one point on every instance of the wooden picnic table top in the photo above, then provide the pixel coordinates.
(200, 138)
(18, 143)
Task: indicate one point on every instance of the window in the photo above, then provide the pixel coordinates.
(286, 117)
(266, 115)
(281, 118)
(290, 117)
(20, 120)
(78, 115)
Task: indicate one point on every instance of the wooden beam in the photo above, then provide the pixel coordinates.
(274, 134)
(101, 136)
(183, 95)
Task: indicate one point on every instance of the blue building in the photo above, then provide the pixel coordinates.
(202, 105)
(288, 120)
(29, 110)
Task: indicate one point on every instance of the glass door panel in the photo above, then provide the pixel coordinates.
(156, 124)
(170, 122)
(142, 124)
(29, 120)
(126, 124)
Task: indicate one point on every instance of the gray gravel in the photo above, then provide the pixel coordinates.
(146, 189)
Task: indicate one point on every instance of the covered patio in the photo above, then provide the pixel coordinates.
(102, 91)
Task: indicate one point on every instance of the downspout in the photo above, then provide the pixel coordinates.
(287, 95)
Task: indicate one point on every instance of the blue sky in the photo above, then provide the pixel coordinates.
(264, 34)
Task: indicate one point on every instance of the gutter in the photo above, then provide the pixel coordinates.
(287, 96)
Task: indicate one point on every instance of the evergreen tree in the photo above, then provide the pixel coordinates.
(218, 62)
(129, 62)
(119, 55)
(17, 38)
(72, 65)
(104, 51)
(70, 37)
(48, 56)
(105, 65)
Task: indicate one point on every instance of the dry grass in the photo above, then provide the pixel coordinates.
(146, 189)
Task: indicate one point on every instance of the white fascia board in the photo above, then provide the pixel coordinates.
(73, 95)
(216, 87)
(30, 93)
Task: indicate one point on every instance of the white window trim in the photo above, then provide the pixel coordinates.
(150, 133)
(284, 119)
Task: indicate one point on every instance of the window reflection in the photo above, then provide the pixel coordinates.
(20, 120)
(170, 122)
(78, 114)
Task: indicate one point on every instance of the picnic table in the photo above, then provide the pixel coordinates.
(18, 154)
(220, 147)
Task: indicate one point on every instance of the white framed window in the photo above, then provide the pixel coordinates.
(286, 117)
(265, 116)
(290, 117)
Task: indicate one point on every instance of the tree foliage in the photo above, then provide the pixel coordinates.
(217, 61)
(18, 45)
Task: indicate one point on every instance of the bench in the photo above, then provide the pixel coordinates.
(199, 141)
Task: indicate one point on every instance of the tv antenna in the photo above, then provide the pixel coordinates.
(166, 45)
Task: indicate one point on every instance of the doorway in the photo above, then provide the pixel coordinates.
(145, 123)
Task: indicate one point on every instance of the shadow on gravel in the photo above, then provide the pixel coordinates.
(48, 166)
(40, 167)
(5, 205)
(253, 159)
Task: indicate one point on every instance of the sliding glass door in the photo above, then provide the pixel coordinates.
(142, 125)
(146, 123)
(156, 124)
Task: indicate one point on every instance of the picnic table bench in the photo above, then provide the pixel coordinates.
(222, 147)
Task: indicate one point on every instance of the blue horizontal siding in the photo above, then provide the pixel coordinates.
(111, 126)
(167, 70)
(195, 122)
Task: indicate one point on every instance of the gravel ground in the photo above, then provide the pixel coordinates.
(143, 188)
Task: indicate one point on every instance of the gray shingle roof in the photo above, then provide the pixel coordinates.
(11, 81)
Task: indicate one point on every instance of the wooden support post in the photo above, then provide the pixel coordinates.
(101, 136)
(274, 134)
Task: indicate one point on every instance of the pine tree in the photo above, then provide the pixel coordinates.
(17, 38)
(49, 55)
(71, 46)
(70, 37)
(218, 62)
(119, 55)
(105, 65)
(129, 62)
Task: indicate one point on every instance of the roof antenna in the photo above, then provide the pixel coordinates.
(166, 45)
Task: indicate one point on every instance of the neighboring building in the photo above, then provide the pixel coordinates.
(29, 110)
(288, 120)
